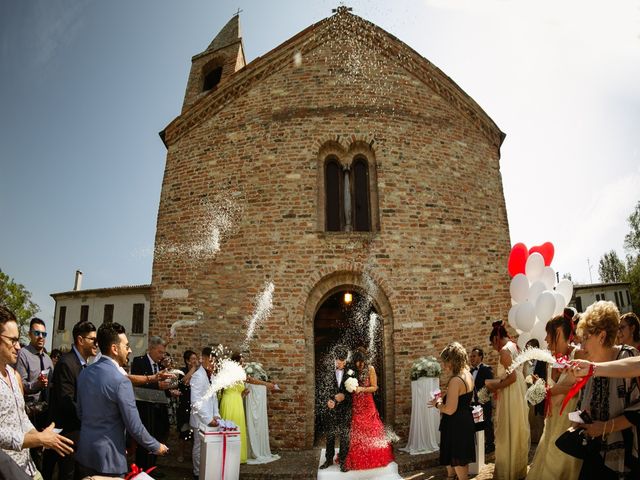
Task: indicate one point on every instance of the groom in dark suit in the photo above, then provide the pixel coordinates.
(481, 373)
(336, 404)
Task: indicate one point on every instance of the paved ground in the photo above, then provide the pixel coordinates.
(303, 465)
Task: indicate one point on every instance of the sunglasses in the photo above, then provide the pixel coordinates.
(38, 333)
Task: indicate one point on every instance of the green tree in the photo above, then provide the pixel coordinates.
(632, 239)
(611, 268)
(17, 299)
(633, 277)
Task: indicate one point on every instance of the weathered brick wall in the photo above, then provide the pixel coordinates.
(439, 258)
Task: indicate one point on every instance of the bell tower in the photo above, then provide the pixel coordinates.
(223, 57)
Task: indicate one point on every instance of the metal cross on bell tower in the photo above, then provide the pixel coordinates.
(341, 9)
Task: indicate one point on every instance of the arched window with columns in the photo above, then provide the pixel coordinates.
(360, 195)
(334, 211)
(347, 188)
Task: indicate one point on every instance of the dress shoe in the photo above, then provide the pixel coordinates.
(326, 464)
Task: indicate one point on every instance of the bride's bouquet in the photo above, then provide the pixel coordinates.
(351, 384)
(537, 392)
(484, 396)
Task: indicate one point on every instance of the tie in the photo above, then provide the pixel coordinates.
(155, 368)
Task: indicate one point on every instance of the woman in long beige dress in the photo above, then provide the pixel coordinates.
(549, 461)
(511, 420)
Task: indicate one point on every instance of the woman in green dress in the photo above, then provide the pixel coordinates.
(232, 408)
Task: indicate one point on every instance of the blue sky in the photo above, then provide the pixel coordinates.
(87, 86)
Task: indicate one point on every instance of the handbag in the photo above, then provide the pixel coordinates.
(575, 442)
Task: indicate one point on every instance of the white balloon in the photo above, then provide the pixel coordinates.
(545, 305)
(548, 277)
(565, 287)
(512, 316)
(560, 303)
(535, 290)
(534, 266)
(539, 332)
(519, 288)
(523, 339)
(525, 316)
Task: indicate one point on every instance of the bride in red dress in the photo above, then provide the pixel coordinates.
(369, 446)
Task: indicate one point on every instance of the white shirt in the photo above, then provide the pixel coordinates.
(120, 369)
(157, 369)
(208, 409)
(339, 374)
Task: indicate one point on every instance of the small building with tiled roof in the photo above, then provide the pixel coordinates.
(127, 305)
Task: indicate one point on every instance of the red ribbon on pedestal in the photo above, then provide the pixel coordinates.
(224, 453)
(136, 470)
(576, 388)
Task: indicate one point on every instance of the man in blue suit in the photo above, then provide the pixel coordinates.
(107, 407)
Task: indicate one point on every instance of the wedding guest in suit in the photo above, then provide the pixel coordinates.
(337, 409)
(154, 416)
(203, 411)
(107, 408)
(482, 372)
(63, 396)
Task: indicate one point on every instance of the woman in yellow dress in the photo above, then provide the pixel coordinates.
(512, 415)
(549, 461)
(232, 408)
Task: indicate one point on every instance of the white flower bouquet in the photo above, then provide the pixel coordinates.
(256, 370)
(425, 367)
(484, 396)
(537, 392)
(351, 384)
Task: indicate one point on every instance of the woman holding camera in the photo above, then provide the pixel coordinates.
(613, 437)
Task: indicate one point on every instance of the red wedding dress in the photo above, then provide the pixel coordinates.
(368, 445)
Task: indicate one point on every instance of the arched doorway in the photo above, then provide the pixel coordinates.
(349, 318)
(320, 290)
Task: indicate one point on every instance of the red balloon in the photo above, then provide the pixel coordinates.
(546, 250)
(518, 259)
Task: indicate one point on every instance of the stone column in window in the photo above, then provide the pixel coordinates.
(347, 200)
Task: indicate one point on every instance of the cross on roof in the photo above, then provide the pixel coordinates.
(238, 12)
(342, 9)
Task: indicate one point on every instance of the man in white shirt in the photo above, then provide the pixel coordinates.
(203, 411)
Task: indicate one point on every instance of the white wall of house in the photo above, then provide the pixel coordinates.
(123, 305)
(585, 295)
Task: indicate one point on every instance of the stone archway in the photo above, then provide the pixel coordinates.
(322, 290)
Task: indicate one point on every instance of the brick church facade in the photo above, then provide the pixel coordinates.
(353, 165)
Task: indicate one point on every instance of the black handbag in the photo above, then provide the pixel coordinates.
(575, 442)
